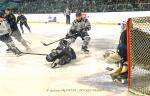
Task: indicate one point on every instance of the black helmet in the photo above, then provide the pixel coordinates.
(8, 9)
(78, 14)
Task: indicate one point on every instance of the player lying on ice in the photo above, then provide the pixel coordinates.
(5, 37)
(79, 28)
(120, 74)
(62, 55)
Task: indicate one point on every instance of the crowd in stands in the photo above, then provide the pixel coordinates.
(57, 6)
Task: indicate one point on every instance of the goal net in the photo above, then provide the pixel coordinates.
(138, 38)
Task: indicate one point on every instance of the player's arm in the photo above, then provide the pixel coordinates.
(72, 30)
(65, 12)
(13, 18)
(9, 29)
(73, 26)
(18, 19)
(58, 50)
(87, 25)
(24, 18)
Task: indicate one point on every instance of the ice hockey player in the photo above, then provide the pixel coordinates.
(120, 74)
(79, 28)
(62, 55)
(67, 12)
(11, 19)
(5, 37)
(23, 21)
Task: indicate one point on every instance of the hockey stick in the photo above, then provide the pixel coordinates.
(55, 41)
(34, 53)
(51, 42)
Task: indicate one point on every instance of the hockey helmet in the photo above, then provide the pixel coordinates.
(78, 14)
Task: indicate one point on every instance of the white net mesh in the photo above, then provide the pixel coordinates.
(139, 35)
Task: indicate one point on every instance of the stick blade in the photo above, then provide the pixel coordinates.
(44, 43)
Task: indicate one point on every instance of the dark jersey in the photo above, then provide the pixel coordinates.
(122, 47)
(21, 18)
(67, 51)
(123, 38)
(60, 52)
(11, 19)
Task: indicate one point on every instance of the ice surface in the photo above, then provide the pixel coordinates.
(30, 75)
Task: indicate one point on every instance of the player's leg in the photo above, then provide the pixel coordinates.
(73, 54)
(115, 73)
(86, 39)
(18, 37)
(123, 76)
(27, 26)
(14, 49)
(9, 42)
(68, 19)
(21, 27)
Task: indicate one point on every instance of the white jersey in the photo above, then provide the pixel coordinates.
(67, 12)
(4, 28)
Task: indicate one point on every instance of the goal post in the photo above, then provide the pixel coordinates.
(138, 46)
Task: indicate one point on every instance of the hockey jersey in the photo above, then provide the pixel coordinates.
(21, 18)
(12, 21)
(4, 28)
(82, 24)
(60, 52)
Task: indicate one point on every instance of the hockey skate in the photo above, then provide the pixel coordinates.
(9, 50)
(118, 78)
(28, 49)
(55, 63)
(16, 51)
(84, 49)
(121, 80)
(109, 69)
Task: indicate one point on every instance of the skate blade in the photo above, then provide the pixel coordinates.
(18, 55)
(87, 52)
(9, 52)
